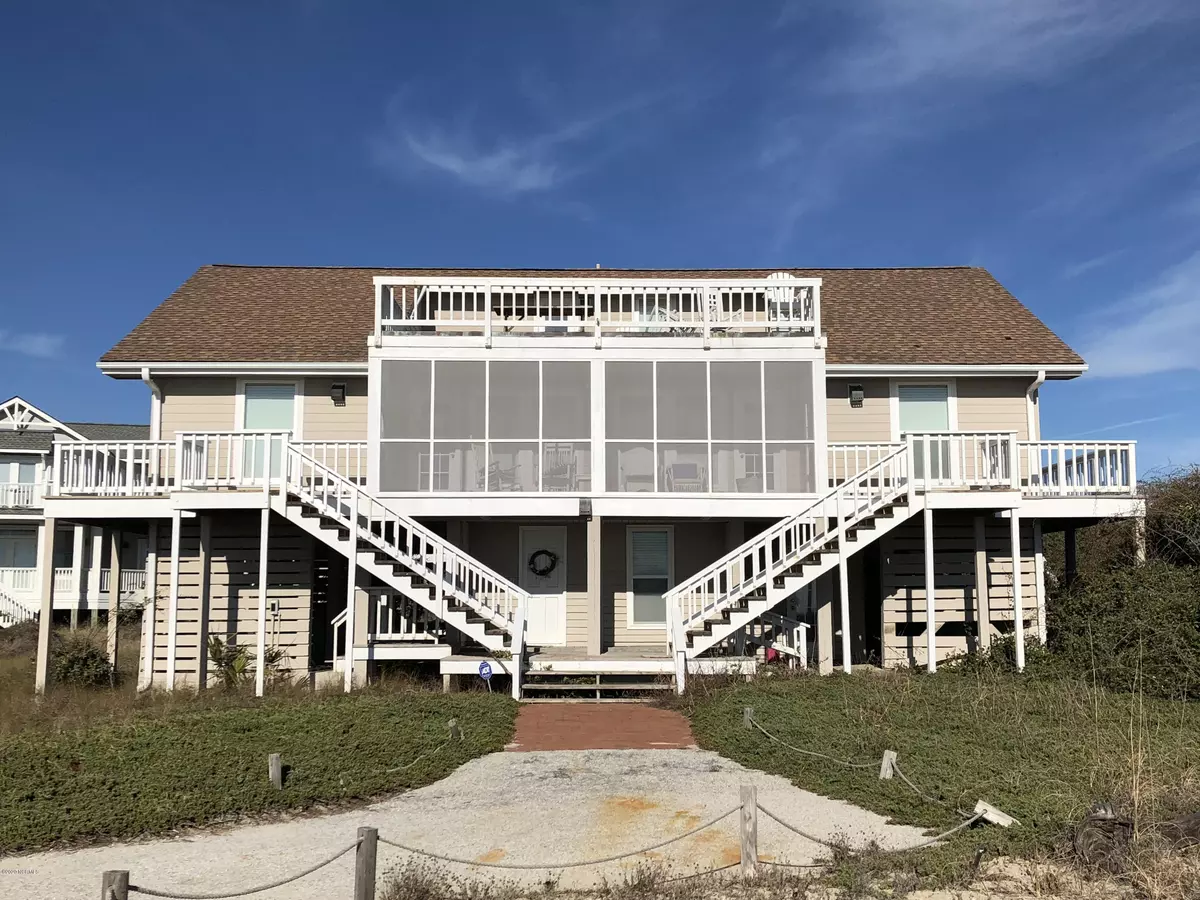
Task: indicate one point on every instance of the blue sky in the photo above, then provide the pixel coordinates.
(1056, 142)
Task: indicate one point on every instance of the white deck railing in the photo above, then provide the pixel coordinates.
(394, 617)
(965, 459)
(940, 461)
(974, 460)
(133, 582)
(786, 636)
(1056, 468)
(780, 304)
(347, 458)
(113, 468)
(18, 580)
(20, 496)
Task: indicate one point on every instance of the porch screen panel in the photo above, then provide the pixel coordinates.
(737, 468)
(683, 468)
(459, 400)
(681, 389)
(629, 400)
(736, 401)
(788, 399)
(404, 398)
(629, 415)
(566, 426)
(567, 400)
(513, 400)
(404, 465)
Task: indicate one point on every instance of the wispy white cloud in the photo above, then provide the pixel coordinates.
(1120, 426)
(913, 70)
(504, 165)
(35, 343)
(1156, 329)
(1088, 265)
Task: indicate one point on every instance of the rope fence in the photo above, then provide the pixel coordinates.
(116, 884)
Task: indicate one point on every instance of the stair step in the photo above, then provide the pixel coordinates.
(592, 687)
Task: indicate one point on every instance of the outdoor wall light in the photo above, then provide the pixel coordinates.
(337, 393)
(856, 396)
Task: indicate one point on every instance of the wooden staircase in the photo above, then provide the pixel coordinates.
(404, 555)
(14, 611)
(727, 597)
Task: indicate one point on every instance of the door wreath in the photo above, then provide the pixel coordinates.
(542, 562)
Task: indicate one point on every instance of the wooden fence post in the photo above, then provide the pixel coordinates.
(115, 885)
(364, 864)
(748, 830)
(748, 717)
(275, 769)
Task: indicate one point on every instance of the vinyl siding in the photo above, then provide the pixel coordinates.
(868, 424)
(325, 422)
(197, 404)
(232, 612)
(993, 404)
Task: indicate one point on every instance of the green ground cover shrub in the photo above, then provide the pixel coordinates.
(159, 770)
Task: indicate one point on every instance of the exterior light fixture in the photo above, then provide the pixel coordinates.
(856, 396)
(337, 393)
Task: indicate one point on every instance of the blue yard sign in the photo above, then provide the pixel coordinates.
(485, 670)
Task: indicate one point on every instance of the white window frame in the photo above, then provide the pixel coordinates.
(630, 624)
(239, 410)
(894, 385)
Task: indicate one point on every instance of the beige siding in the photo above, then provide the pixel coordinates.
(869, 424)
(232, 611)
(993, 404)
(197, 404)
(902, 573)
(325, 422)
(696, 544)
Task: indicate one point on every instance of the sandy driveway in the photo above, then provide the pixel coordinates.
(508, 807)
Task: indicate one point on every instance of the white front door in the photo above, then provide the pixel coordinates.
(543, 563)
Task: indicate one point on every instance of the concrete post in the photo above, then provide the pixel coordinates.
(930, 595)
(78, 548)
(823, 593)
(95, 564)
(1018, 608)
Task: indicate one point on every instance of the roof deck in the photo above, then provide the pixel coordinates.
(779, 305)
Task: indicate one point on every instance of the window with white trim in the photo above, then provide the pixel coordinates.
(650, 569)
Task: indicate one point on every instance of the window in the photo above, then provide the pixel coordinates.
(650, 576)
(490, 426)
(722, 427)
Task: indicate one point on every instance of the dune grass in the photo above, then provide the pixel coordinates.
(1042, 750)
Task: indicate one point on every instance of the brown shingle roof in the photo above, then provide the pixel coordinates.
(936, 316)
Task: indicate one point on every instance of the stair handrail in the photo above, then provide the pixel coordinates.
(814, 514)
(345, 491)
(14, 609)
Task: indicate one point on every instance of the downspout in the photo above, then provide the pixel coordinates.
(155, 405)
(1032, 425)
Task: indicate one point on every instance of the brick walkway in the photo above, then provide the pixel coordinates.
(599, 726)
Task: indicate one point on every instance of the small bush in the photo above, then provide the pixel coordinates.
(234, 666)
(80, 662)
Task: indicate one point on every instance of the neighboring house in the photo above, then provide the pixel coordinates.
(27, 437)
(609, 475)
